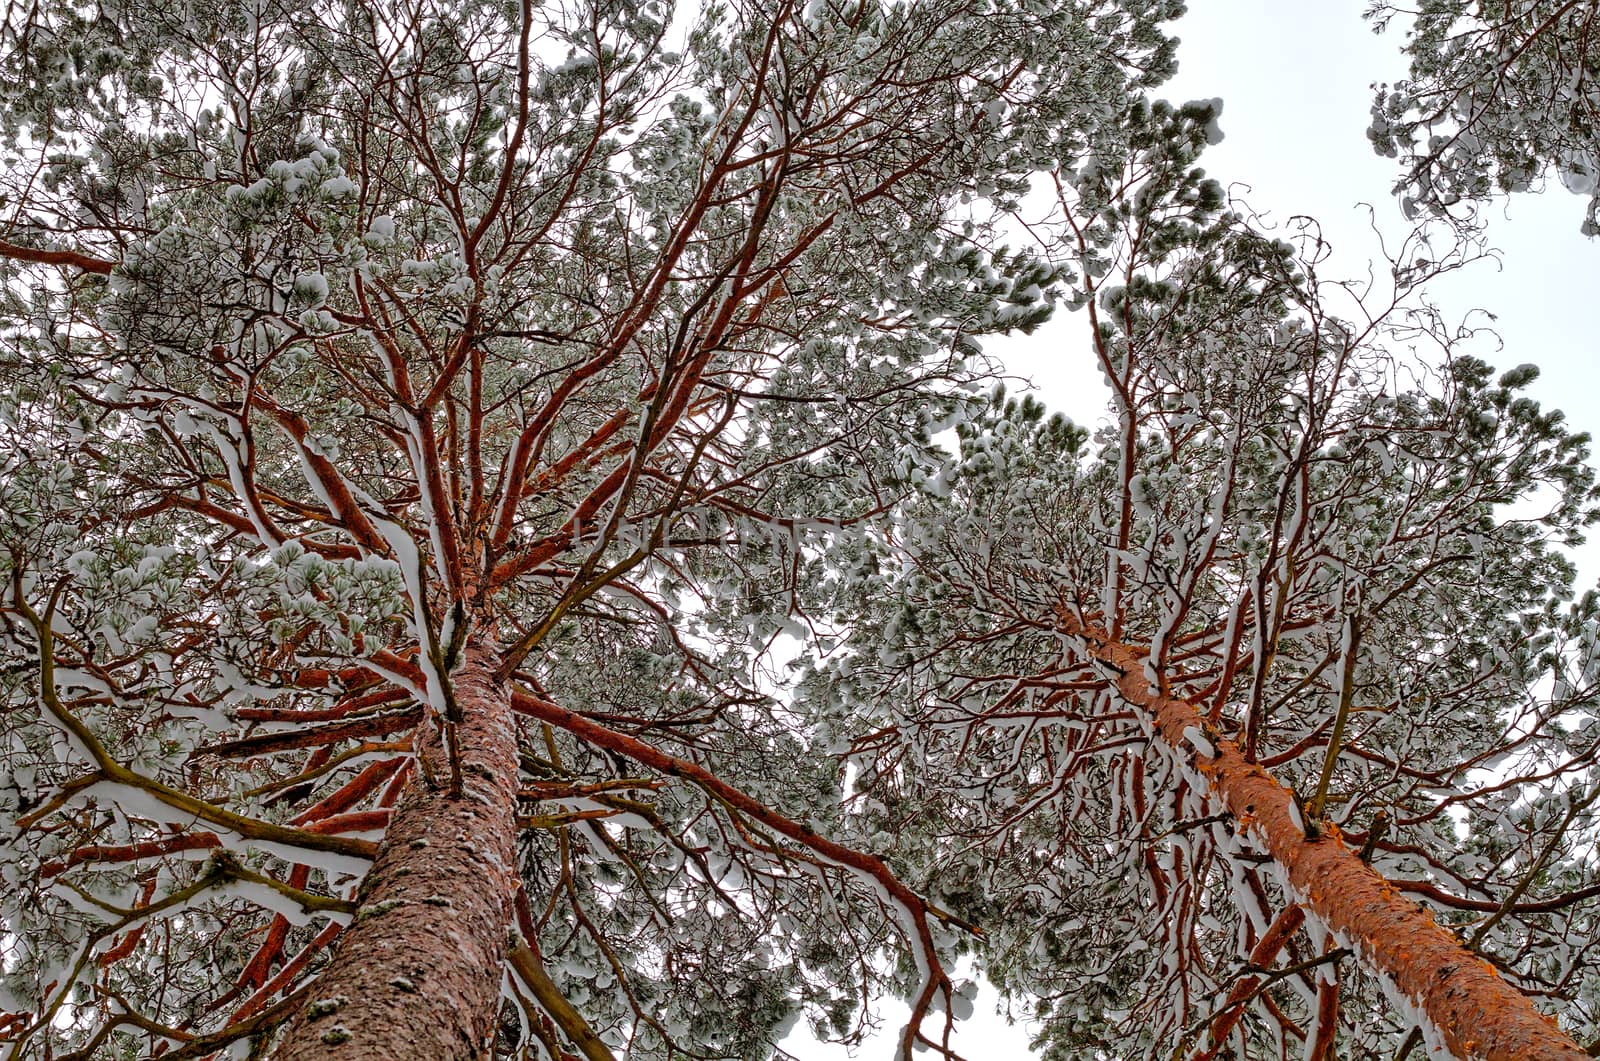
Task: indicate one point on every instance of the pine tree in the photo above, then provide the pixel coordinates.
(396, 400)
(1498, 97)
(1264, 721)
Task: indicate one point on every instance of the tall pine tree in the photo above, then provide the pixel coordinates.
(1263, 721)
(391, 391)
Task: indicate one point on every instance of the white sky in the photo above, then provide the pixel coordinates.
(1294, 78)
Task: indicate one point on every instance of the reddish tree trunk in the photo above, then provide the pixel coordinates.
(1478, 1014)
(417, 974)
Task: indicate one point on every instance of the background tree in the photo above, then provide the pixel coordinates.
(1498, 96)
(392, 394)
(1192, 718)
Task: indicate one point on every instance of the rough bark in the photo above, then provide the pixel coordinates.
(417, 974)
(1475, 1011)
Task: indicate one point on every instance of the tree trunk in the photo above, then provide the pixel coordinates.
(417, 974)
(1477, 1013)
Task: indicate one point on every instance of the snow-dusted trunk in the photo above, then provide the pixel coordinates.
(1477, 1014)
(417, 974)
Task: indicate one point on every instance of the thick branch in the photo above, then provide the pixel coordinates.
(69, 259)
(915, 908)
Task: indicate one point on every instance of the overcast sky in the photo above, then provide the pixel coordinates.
(1294, 78)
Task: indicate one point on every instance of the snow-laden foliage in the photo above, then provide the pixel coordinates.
(1498, 98)
(346, 342)
(1339, 540)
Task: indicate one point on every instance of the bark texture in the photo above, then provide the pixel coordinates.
(1476, 1012)
(417, 974)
